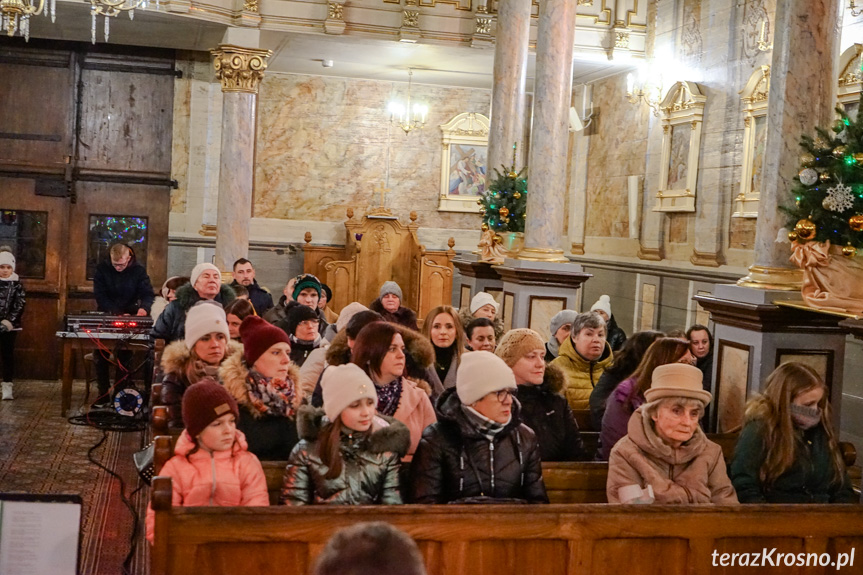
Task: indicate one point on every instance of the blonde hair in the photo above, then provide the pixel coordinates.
(119, 251)
(772, 409)
(459, 328)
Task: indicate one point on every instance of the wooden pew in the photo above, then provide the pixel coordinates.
(505, 539)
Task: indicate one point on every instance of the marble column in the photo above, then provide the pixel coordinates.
(240, 70)
(549, 135)
(510, 70)
(803, 84)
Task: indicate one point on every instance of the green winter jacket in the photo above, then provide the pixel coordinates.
(809, 480)
(370, 464)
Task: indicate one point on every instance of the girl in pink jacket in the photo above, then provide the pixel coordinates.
(211, 463)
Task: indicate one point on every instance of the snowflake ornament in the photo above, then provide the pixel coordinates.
(839, 198)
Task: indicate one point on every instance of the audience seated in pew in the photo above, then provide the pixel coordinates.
(543, 408)
(389, 305)
(665, 456)
(374, 548)
(788, 452)
(305, 289)
(384, 350)
(351, 459)
(480, 335)
(211, 463)
(629, 395)
(443, 328)
(623, 366)
(236, 312)
(301, 324)
(313, 367)
(327, 296)
(263, 381)
(583, 357)
(167, 294)
(559, 327)
(205, 345)
(484, 305)
(479, 450)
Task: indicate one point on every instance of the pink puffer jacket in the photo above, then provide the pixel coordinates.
(222, 478)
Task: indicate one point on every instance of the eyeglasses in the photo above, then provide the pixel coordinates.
(505, 393)
(310, 322)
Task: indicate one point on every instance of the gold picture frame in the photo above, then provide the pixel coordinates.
(850, 79)
(754, 96)
(682, 117)
(464, 162)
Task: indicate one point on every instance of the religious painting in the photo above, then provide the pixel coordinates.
(678, 162)
(467, 170)
(754, 97)
(682, 111)
(464, 162)
(732, 378)
(758, 152)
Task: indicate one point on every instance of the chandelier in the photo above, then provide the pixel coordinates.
(643, 89)
(406, 117)
(15, 15)
(110, 9)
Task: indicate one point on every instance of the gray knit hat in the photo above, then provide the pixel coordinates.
(393, 288)
(561, 318)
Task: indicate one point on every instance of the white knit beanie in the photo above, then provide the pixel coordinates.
(603, 304)
(480, 373)
(347, 313)
(205, 317)
(8, 259)
(344, 384)
(199, 269)
(481, 299)
(393, 288)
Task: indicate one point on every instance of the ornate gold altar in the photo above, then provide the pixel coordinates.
(380, 248)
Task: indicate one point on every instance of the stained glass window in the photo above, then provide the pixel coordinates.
(106, 231)
(25, 234)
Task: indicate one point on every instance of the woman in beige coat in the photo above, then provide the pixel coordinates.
(665, 457)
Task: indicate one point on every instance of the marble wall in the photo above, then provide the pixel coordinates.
(322, 147)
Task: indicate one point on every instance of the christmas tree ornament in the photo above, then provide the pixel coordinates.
(524, 216)
(839, 151)
(504, 212)
(839, 198)
(484, 227)
(808, 177)
(858, 157)
(517, 195)
(479, 202)
(838, 125)
(807, 159)
(512, 175)
(805, 230)
(820, 144)
(824, 177)
(849, 251)
(792, 236)
(856, 223)
(482, 211)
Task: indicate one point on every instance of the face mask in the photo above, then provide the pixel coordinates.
(805, 417)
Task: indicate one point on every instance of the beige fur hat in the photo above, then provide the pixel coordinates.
(677, 380)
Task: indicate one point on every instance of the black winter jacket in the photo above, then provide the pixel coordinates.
(454, 461)
(615, 336)
(171, 325)
(12, 300)
(547, 413)
(279, 313)
(122, 292)
(260, 298)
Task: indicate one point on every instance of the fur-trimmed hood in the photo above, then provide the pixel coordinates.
(554, 379)
(387, 435)
(402, 316)
(187, 296)
(466, 317)
(418, 349)
(234, 372)
(176, 355)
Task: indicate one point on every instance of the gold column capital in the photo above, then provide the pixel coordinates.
(773, 278)
(240, 69)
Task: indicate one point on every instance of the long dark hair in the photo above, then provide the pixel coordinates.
(372, 345)
(329, 448)
(663, 351)
(629, 356)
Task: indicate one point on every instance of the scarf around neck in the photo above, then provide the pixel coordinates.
(487, 427)
(271, 395)
(389, 396)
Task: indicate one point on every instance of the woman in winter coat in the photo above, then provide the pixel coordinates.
(479, 449)
(543, 408)
(559, 327)
(389, 305)
(444, 329)
(12, 300)
(484, 305)
(167, 294)
(629, 395)
(615, 336)
(665, 456)
(236, 312)
(265, 384)
(584, 356)
(353, 457)
(381, 351)
(787, 451)
(301, 323)
(205, 346)
(624, 364)
(211, 463)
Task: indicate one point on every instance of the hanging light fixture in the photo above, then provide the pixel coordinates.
(110, 9)
(405, 117)
(15, 15)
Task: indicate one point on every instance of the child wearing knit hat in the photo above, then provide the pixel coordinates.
(211, 463)
(347, 429)
(12, 299)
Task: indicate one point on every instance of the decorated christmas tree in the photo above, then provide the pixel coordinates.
(504, 205)
(829, 189)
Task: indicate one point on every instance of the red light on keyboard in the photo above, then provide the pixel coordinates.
(118, 324)
(133, 324)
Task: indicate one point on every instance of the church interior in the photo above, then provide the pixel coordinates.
(362, 141)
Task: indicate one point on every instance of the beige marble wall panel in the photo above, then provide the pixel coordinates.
(678, 228)
(322, 147)
(617, 151)
(180, 137)
(541, 312)
(741, 234)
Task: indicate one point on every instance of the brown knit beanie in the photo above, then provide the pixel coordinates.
(203, 403)
(258, 336)
(517, 343)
